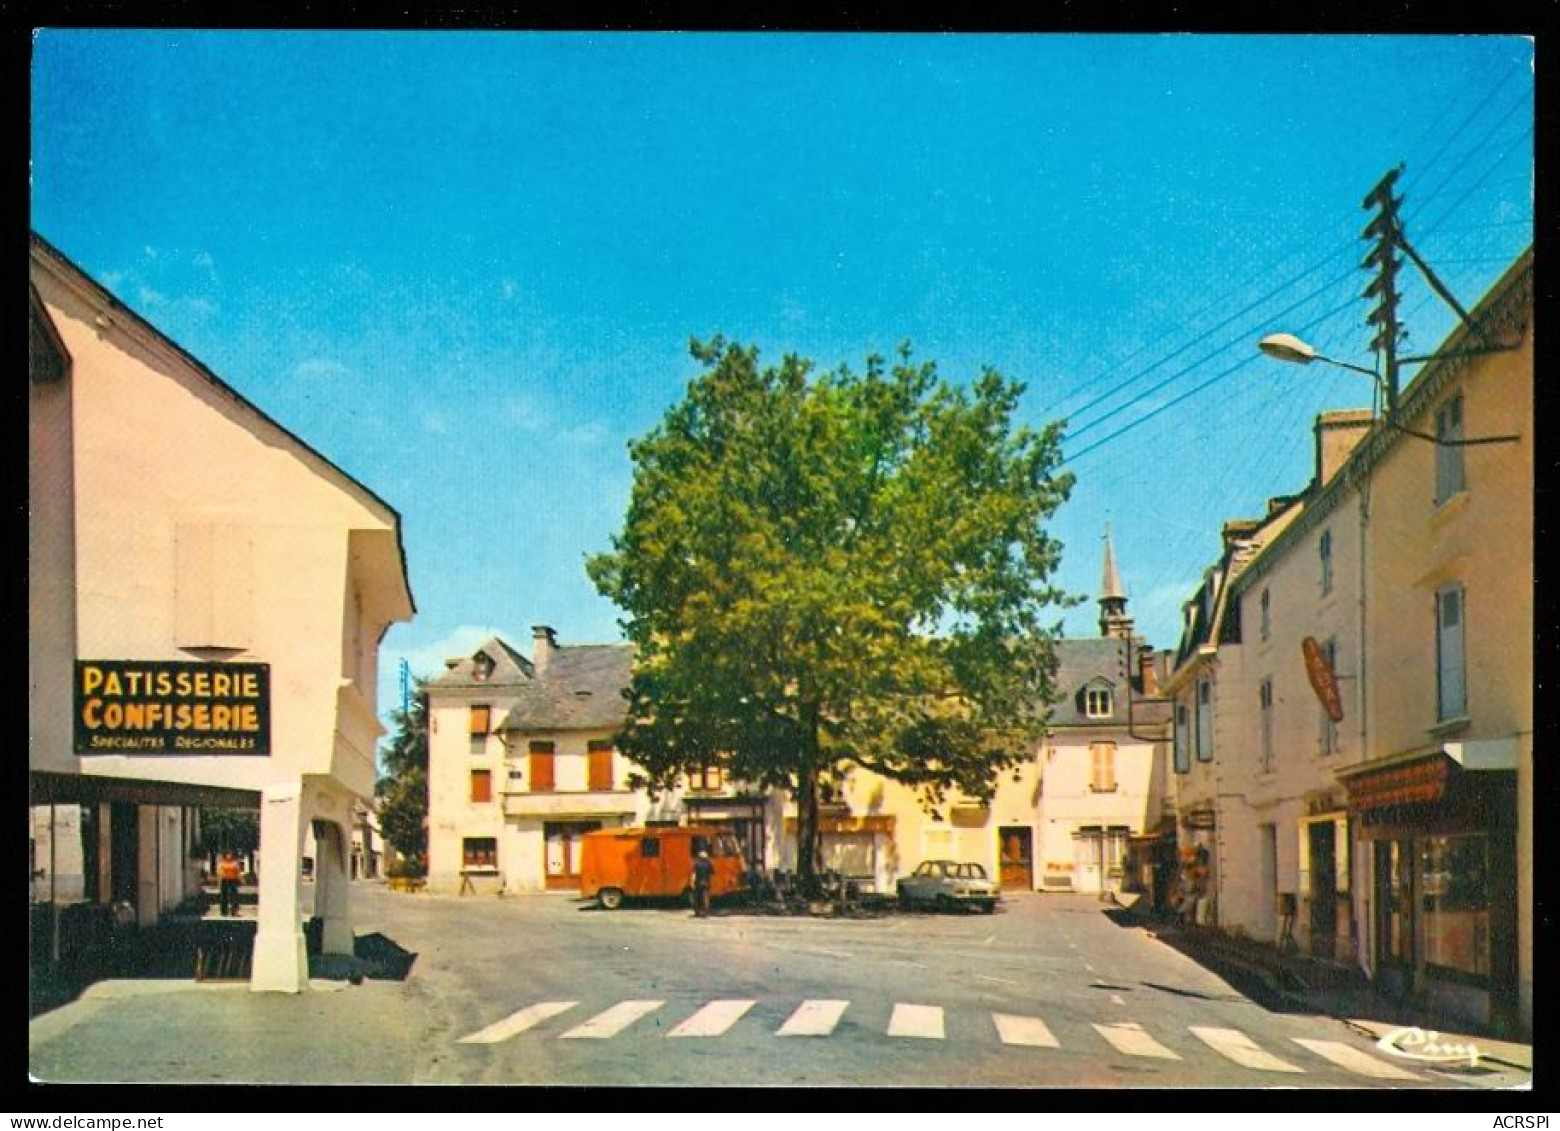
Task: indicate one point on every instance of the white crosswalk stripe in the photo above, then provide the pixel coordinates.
(821, 1018)
(1352, 1059)
(517, 1022)
(713, 1020)
(813, 1019)
(1129, 1037)
(1241, 1049)
(1030, 1031)
(614, 1020)
(916, 1021)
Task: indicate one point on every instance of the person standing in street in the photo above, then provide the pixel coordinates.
(228, 875)
(702, 870)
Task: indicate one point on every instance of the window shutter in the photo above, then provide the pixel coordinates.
(481, 785)
(481, 719)
(541, 767)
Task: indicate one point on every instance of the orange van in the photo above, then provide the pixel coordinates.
(656, 861)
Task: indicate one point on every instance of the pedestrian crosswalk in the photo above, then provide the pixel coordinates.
(821, 1018)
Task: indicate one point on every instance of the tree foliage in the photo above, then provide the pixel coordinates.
(836, 570)
(403, 814)
(403, 791)
(229, 830)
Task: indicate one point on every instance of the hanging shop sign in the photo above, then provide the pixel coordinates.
(172, 707)
(1323, 680)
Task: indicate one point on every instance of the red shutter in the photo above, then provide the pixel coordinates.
(481, 785)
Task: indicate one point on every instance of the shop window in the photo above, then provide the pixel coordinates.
(481, 785)
(1205, 720)
(479, 852)
(1451, 683)
(1102, 758)
(542, 767)
(599, 754)
(1454, 882)
(1097, 703)
(1325, 560)
(1450, 478)
(1183, 738)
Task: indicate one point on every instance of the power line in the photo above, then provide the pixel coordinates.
(1214, 304)
(1331, 283)
(1468, 156)
(1494, 90)
(1072, 459)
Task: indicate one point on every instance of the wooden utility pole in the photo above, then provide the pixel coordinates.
(1385, 231)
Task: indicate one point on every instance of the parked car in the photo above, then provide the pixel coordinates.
(946, 884)
(656, 862)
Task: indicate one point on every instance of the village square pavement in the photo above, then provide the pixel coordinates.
(1050, 991)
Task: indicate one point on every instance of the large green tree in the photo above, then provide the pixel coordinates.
(821, 571)
(403, 791)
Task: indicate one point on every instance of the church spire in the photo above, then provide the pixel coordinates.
(1114, 620)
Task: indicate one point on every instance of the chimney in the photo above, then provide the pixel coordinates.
(1337, 434)
(1148, 669)
(1236, 530)
(543, 641)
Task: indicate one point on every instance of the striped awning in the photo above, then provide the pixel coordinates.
(1422, 781)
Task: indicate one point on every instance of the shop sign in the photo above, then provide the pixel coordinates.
(1323, 680)
(1416, 784)
(172, 707)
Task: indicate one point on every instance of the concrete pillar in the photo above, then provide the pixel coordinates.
(148, 860)
(332, 888)
(281, 961)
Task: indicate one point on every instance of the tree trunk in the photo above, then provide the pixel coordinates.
(807, 830)
(807, 834)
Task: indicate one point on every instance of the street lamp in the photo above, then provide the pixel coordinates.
(1287, 347)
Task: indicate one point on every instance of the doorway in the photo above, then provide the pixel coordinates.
(564, 851)
(124, 854)
(1017, 863)
(1267, 910)
(1324, 889)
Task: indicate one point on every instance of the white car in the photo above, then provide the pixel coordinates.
(946, 884)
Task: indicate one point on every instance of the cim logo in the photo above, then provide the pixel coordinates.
(1418, 1044)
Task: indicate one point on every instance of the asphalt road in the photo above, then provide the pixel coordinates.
(1049, 991)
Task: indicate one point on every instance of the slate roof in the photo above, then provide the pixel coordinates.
(509, 668)
(1084, 661)
(582, 689)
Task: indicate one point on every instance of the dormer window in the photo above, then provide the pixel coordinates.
(1097, 703)
(481, 666)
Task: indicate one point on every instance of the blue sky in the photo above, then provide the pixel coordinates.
(466, 266)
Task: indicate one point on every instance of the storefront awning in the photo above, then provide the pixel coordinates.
(1420, 781)
(882, 823)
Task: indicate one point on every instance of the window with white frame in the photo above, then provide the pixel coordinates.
(1449, 471)
(1183, 738)
(1324, 555)
(1097, 703)
(1450, 658)
(1265, 707)
(1327, 730)
(1205, 720)
(1267, 614)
